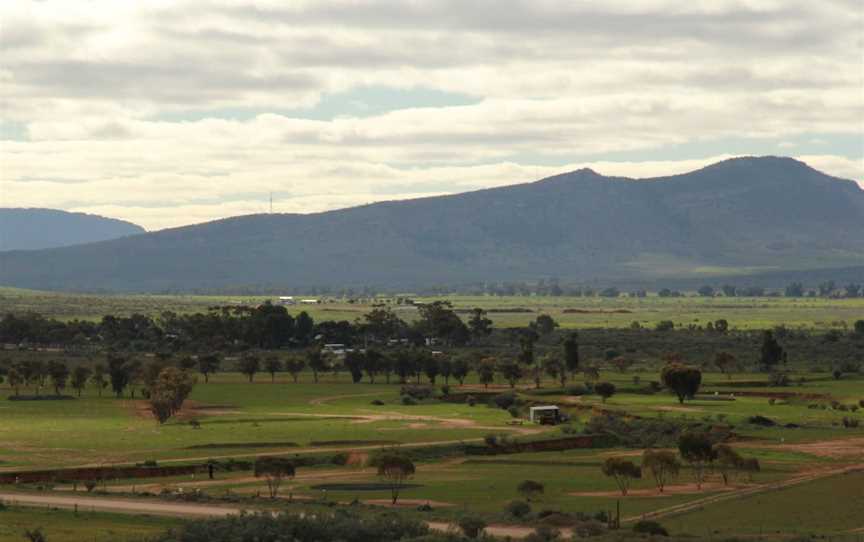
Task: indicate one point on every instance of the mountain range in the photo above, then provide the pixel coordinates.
(738, 217)
(33, 229)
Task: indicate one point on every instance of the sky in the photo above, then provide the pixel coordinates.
(171, 113)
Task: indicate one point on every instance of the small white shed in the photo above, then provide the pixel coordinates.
(536, 413)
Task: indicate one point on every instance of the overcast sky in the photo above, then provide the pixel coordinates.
(183, 112)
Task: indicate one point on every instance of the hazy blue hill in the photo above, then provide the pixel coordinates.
(33, 229)
(741, 216)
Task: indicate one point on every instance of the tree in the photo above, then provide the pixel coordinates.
(119, 372)
(662, 465)
(354, 362)
(59, 374)
(728, 290)
(859, 327)
(80, 376)
(248, 365)
(554, 367)
(317, 361)
(721, 325)
(750, 465)
(706, 291)
(486, 371)
(728, 461)
(529, 489)
(511, 371)
(527, 338)
(294, 366)
(696, 449)
(571, 353)
(461, 368)
(396, 470)
(438, 320)
(795, 289)
(622, 470)
(479, 325)
(771, 352)
(272, 365)
(471, 526)
(303, 328)
(682, 380)
(274, 470)
(621, 363)
(381, 324)
(15, 380)
(726, 362)
(169, 392)
(605, 390)
(98, 378)
(431, 368)
(545, 324)
(208, 364)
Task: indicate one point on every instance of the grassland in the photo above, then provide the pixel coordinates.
(570, 312)
(238, 419)
(85, 526)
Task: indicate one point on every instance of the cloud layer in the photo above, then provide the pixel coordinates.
(182, 112)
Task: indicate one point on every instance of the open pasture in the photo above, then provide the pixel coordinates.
(241, 420)
(505, 311)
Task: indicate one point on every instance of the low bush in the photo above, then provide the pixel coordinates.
(471, 526)
(518, 509)
(653, 528)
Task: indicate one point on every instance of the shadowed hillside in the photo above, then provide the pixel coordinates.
(739, 216)
(33, 229)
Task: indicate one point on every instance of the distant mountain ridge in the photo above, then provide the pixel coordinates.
(34, 229)
(737, 217)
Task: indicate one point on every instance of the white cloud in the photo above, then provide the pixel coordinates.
(559, 81)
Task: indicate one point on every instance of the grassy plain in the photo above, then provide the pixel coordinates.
(239, 419)
(570, 312)
(85, 526)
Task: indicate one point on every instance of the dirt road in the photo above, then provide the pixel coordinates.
(189, 510)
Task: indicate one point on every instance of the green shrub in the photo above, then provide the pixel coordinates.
(471, 526)
(647, 526)
(407, 400)
(518, 509)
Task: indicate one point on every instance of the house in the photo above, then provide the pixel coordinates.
(310, 301)
(287, 300)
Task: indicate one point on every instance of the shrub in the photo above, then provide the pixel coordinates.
(471, 400)
(577, 389)
(647, 526)
(518, 509)
(514, 411)
(445, 389)
(472, 527)
(377, 402)
(544, 533)
(530, 488)
(505, 400)
(407, 400)
(850, 423)
(588, 529)
(761, 420)
(417, 392)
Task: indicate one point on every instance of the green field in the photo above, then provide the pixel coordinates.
(584, 312)
(241, 420)
(85, 526)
